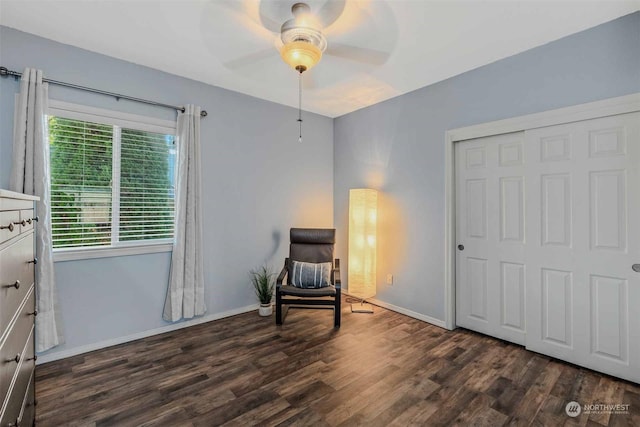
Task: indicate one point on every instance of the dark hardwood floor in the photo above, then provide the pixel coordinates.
(381, 370)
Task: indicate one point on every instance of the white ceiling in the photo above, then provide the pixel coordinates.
(225, 42)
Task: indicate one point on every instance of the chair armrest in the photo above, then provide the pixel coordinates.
(335, 275)
(283, 273)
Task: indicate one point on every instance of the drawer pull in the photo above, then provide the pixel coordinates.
(36, 219)
(33, 261)
(10, 227)
(13, 285)
(22, 223)
(34, 313)
(14, 359)
(30, 220)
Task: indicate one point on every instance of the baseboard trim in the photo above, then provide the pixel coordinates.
(432, 320)
(46, 358)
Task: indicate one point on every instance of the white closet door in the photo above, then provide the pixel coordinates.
(583, 213)
(490, 230)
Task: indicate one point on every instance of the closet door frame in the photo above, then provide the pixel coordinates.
(591, 110)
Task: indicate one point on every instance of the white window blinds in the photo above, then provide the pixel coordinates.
(81, 170)
(110, 185)
(146, 185)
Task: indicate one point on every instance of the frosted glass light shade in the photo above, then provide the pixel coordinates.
(300, 54)
(363, 212)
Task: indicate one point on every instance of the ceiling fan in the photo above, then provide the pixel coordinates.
(323, 24)
(302, 38)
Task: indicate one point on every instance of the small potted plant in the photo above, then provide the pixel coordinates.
(262, 280)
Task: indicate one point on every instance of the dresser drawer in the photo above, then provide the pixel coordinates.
(15, 201)
(9, 221)
(26, 220)
(16, 397)
(14, 266)
(28, 411)
(15, 347)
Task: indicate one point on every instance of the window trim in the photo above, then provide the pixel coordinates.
(75, 254)
(110, 117)
(118, 120)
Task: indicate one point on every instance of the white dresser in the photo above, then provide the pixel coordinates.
(17, 309)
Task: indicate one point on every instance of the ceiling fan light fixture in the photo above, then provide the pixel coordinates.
(302, 46)
(301, 55)
(302, 39)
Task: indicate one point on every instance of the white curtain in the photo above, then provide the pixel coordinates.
(30, 175)
(185, 295)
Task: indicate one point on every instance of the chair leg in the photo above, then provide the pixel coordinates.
(337, 310)
(278, 308)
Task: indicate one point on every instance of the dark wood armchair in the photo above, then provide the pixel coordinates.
(309, 245)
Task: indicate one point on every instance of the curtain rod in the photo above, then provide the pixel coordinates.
(4, 72)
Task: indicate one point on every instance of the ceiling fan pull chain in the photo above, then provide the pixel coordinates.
(300, 104)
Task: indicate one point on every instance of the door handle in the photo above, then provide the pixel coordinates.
(461, 247)
(636, 268)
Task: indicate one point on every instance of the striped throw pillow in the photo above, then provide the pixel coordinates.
(310, 275)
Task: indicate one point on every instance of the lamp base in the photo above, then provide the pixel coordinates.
(361, 308)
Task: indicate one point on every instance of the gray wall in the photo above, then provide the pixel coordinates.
(255, 189)
(255, 186)
(398, 146)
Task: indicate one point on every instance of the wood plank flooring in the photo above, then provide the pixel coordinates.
(381, 369)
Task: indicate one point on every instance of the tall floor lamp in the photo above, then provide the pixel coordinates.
(363, 211)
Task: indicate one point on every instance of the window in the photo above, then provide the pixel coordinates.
(112, 181)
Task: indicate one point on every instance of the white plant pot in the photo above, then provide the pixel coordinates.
(265, 310)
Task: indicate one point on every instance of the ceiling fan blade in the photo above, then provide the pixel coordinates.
(271, 14)
(247, 11)
(270, 24)
(330, 12)
(357, 54)
(250, 59)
